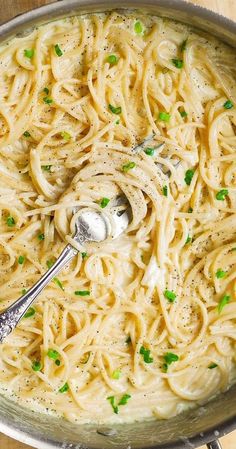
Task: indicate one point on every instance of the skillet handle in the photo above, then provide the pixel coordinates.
(214, 445)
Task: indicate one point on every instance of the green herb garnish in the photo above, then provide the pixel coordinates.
(183, 114)
(220, 274)
(115, 110)
(10, 221)
(84, 255)
(228, 104)
(50, 263)
(36, 365)
(223, 302)
(128, 166)
(116, 374)
(146, 354)
(220, 196)
(190, 210)
(169, 358)
(57, 362)
(65, 135)
(53, 354)
(41, 237)
(30, 312)
(124, 399)
(64, 388)
(58, 50)
(178, 63)
(170, 295)
(23, 292)
(47, 100)
(111, 399)
(165, 190)
(138, 27)
(104, 202)
(82, 292)
(149, 151)
(29, 53)
(112, 59)
(164, 116)
(21, 260)
(26, 134)
(212, 366)
(58, 283)
(46, 168)
(46, 90)
(188, 240)
(189, 176)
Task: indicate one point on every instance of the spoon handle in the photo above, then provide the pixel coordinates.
(12, 315)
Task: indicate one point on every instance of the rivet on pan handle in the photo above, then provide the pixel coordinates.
(214, 445)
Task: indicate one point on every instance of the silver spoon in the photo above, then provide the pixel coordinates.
(90, 226)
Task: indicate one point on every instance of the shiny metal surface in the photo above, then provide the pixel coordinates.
(214, 445)
(188, 430)
(90, 226)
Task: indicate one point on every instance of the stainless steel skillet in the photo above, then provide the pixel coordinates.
(186, 431)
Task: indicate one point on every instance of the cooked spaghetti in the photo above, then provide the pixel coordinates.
(143, 325)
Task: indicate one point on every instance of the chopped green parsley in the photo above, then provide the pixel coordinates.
(58, 283)
(58, 50)
(164, 116)
(189, 176)
(223, 302)
(146, 354)
(228, 104)
(29, 53)
(10, 221)
(138, 27)
(220, 274)
(128, 166)
(165, 190)
(64, 388)
(220, 196)
(65, 135)
(169, 358)
(124, 399)
(48, 100)
(212, 366)
(188, 240)
(21, 260)
(111, 399)
(115, 110)
(178, 63)
(53, 354)
(170, 295)
(112, 59)
(36, 365)
(82, 292)
(104, 202)
(149, 151)
(116, 374)
(30, 312)
(46, 168)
